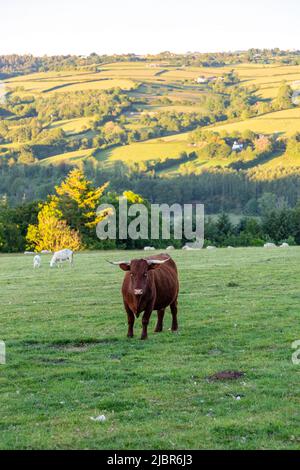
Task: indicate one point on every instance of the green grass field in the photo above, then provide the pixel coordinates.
(75, 156)
(154, 149)
(68, 358)
(282, 122)
(73, 126)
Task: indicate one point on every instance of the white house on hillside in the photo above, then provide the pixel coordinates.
(201, 80)
(237, 147)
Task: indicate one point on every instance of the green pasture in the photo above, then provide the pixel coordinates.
(68, 357)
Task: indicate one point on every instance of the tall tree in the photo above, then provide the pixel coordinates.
(284, 97)
(51, 232)
(77, 200)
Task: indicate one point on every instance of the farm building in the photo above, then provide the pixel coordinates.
(203, 79)
(237, 147)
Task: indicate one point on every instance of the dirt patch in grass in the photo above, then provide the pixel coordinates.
(232, 284)
(226, 375)
(48, 360)
(81, 345)
(77, 345)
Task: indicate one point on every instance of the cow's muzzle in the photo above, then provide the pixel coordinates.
(138, 291)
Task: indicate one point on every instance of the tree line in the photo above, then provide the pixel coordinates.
(68, 218)
(11, 64)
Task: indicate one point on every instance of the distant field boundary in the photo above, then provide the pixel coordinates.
(74, 83)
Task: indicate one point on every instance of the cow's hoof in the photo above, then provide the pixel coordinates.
(129, 336)
(144, 337)
(158, 330)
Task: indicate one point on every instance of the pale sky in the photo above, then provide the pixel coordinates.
(119, 26)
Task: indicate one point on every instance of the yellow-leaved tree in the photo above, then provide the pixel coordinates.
(52, 232)
(68, 219)
(78, 200)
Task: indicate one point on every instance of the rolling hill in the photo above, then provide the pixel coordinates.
(154, 88)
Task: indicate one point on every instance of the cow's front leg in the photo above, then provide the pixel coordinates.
(130, 319)
(145, 321)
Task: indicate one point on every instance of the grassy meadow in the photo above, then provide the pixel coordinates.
(154, 149)
(282, 122)
(68, 358)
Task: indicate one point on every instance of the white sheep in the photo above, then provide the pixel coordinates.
(211, 247)
(284, 245)
(60, 256)
(37, 260)
(148, 248)
(269, 245)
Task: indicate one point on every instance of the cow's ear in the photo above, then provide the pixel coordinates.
(125, 266)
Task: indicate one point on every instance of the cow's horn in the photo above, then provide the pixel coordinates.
(118, 262)
(157, 261)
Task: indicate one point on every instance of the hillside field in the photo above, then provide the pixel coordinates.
(157, 87)
(281, 122)
(68, 358)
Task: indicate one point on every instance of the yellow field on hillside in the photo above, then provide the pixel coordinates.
(73, 126)
(149, 85)
(285, 122)
(266, 77)
(74, 157)
(62, 82)
(100, 84)
(278, 163)
(154, 149)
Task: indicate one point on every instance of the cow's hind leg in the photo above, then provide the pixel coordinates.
(173, 307)
(160, 320)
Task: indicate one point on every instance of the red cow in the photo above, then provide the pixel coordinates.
(150, 284)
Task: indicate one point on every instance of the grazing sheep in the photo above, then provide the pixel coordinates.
(29, 253)
(211, 247)
(37, 260)
(230, 247)
(170, 247)
(193, 246)
(46, 252)
(269, 245)
(284, 245)
(148, 248)
(60, 256)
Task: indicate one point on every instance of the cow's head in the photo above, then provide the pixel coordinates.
(139, 269)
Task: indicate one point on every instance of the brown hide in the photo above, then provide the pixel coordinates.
(150, 287)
